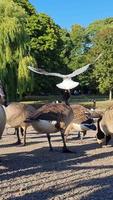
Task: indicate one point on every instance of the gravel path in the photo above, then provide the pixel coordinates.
(34, 173)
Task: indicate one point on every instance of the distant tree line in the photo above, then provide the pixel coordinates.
(28, 37)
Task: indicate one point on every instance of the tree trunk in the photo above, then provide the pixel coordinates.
(110, 95)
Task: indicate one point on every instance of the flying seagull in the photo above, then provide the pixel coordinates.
(67, 82)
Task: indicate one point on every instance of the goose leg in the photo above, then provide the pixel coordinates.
(65, 150)
(49, 140)
(24, 133)
(108, 138)
(67, 131)
(83, 133)
(18, 137)
(79, 135)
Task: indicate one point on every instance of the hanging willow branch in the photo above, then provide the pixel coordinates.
(13, 40)
(25, 79)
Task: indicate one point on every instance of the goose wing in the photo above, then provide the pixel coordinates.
(50, 112)
(40, 71)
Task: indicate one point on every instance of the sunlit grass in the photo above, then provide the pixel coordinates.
(102, 102)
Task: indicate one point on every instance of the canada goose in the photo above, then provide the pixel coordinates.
(105, 127)
(2, 94)
(67, 82)
(16, 113)
(82, 121)
(2, 111)
(2, 120)
(52, 118)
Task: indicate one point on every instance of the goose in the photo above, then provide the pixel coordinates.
(82, 121)
(13, 115)
(2, 94)
(105, 127)
(2, 120)
(2, 110)
(67, 82)
(55, 117)
(16, 113)
(52, 118)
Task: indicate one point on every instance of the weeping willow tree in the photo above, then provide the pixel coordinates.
(13, 40)
(25, 78)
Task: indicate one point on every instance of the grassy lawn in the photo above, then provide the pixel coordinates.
(102, 102)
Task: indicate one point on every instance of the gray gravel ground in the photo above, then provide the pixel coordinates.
(34, 173)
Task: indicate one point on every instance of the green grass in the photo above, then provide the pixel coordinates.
(102, 102)
(102, 105)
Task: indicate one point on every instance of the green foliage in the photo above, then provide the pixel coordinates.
(25, 79)
(30, 10)
(103, 72)
(46, 44)
(79, 47)
(66, 48)
(44, 34)
(12, 40)
(28, 37)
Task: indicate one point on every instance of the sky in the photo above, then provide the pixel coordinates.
(69, 12)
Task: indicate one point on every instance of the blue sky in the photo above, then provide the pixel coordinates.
(68, 12)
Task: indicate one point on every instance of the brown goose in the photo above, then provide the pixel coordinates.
(2, 120)
(105, 127)
(2, 111)
(52, 118)
(82, 121)
(16, 113)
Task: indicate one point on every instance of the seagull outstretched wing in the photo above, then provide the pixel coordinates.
(75, 73)
(83, 69)
(78, 71)
(40, 71)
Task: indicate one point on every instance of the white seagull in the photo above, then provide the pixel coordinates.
(67, 82)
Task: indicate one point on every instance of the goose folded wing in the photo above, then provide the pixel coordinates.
(49, 116)
(50, 112)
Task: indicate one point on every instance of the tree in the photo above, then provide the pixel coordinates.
(104, 69)
(100, 41)
(79, 54)
(25, 79)
(26, 5)
(13, 39)
(45, 44)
